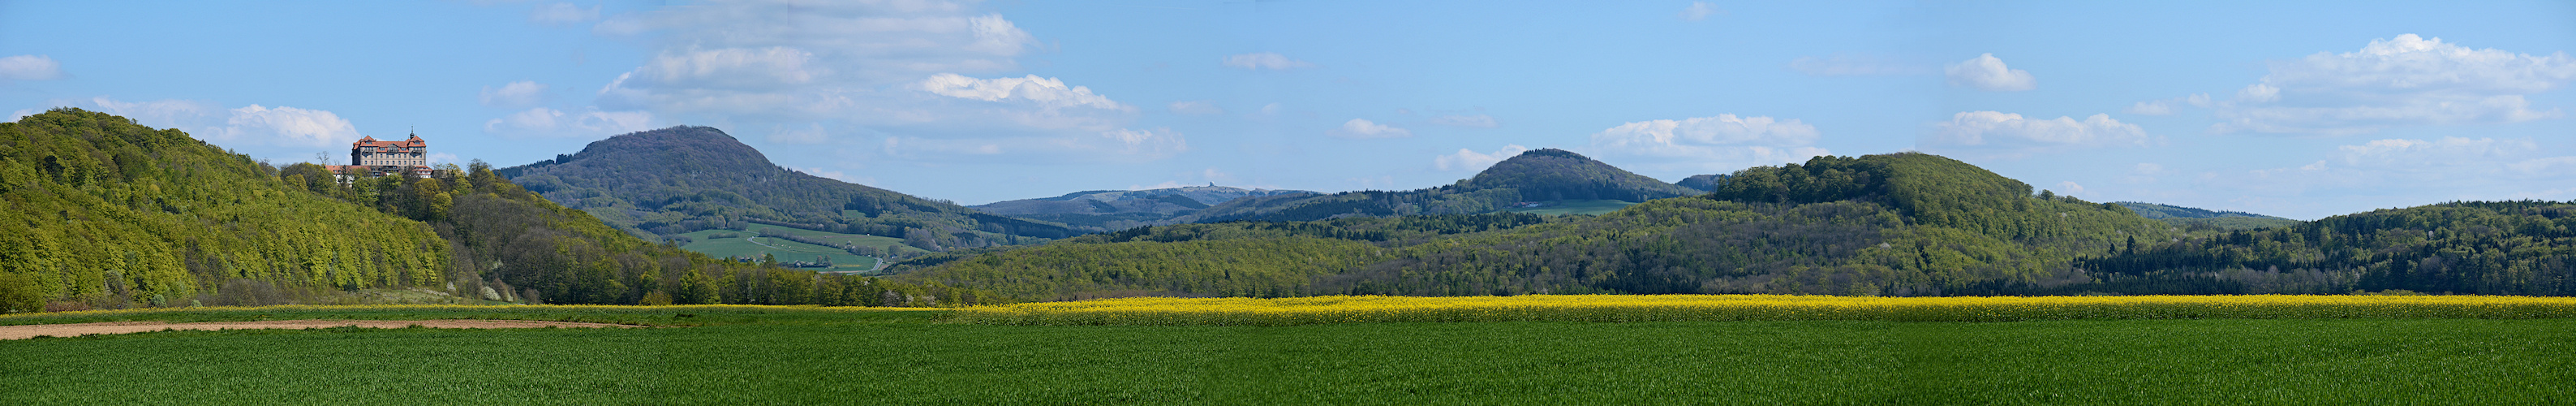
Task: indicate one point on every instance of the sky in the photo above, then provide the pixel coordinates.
(2294, 109)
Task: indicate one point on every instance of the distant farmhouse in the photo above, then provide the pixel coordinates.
(369, 157)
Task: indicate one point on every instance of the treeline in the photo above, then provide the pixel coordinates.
(2496, 248)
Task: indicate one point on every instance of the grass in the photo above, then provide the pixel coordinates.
(1587, 207)
(743, 244)
(741, 354)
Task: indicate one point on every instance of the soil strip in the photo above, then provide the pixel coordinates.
(122, 327)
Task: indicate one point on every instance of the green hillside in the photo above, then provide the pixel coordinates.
(2495, 248)
(2206, 219)
(1106, 210)
(682, 179)
(1899, 224)
(1543, 175)
(103, 213)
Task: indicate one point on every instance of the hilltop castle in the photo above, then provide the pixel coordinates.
(381, 158)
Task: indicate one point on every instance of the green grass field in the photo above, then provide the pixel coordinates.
(818, 355)
(1589, 207)
(749, 243)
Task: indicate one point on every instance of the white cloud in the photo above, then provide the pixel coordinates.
(1462, 120)
(2069, 188)
(732, 68)
(1362, 128)
(1470, 160)
(2259, 93)
(1115, 145)
(289, 126)
(436, 158)
(2406, 80)
(1699, 10)
(545, 122)
(21, 114)
(2151, 108)
(2417, 154)
(249, 126)
(514, 95)
(186, 115)
(1264, 60)
(917, 76)
(1856, 65)
(1046, 93)
(562, 14)
(1989, 129)
(811, 134)
(30, 67)
(1705, 144)
(2545, 166)
(1196, 107)
(1985, 72)
(2403, 172)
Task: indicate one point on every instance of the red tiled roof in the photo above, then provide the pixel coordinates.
(414, 142)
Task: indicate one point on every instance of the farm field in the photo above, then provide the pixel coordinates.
(764, 354)
(1587, 207)
(751, 244)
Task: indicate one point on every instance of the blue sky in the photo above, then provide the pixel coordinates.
(2301, 110)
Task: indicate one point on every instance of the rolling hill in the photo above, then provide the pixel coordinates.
(683, 179)
(1900, 224)
(1542, 175)
(1104, 210)
(104, 213)
(2191, 217)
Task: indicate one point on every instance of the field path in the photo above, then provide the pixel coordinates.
(122, 327)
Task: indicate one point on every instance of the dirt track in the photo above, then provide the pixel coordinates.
(122, 327)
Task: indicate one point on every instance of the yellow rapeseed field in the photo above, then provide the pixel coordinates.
(1627, 308)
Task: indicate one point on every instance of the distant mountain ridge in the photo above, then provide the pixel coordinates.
(682, 179)
(1538, 175)
(1104, 210)
(2162, 211)
(2191, 217)
(1905, 224)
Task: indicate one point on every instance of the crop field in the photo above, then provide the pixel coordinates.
(772, 354)
(1637, 308)
(1589, 207)
(749, 244)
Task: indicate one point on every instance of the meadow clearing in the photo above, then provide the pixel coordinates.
(2514, 352)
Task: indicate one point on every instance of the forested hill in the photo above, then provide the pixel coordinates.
(101, 212)
(1555, 174)
(1542, 175)
(1897, 224)
(681, 179)
(104, 213)
(2491, 248)
(2198, 218)
(1105, 210)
